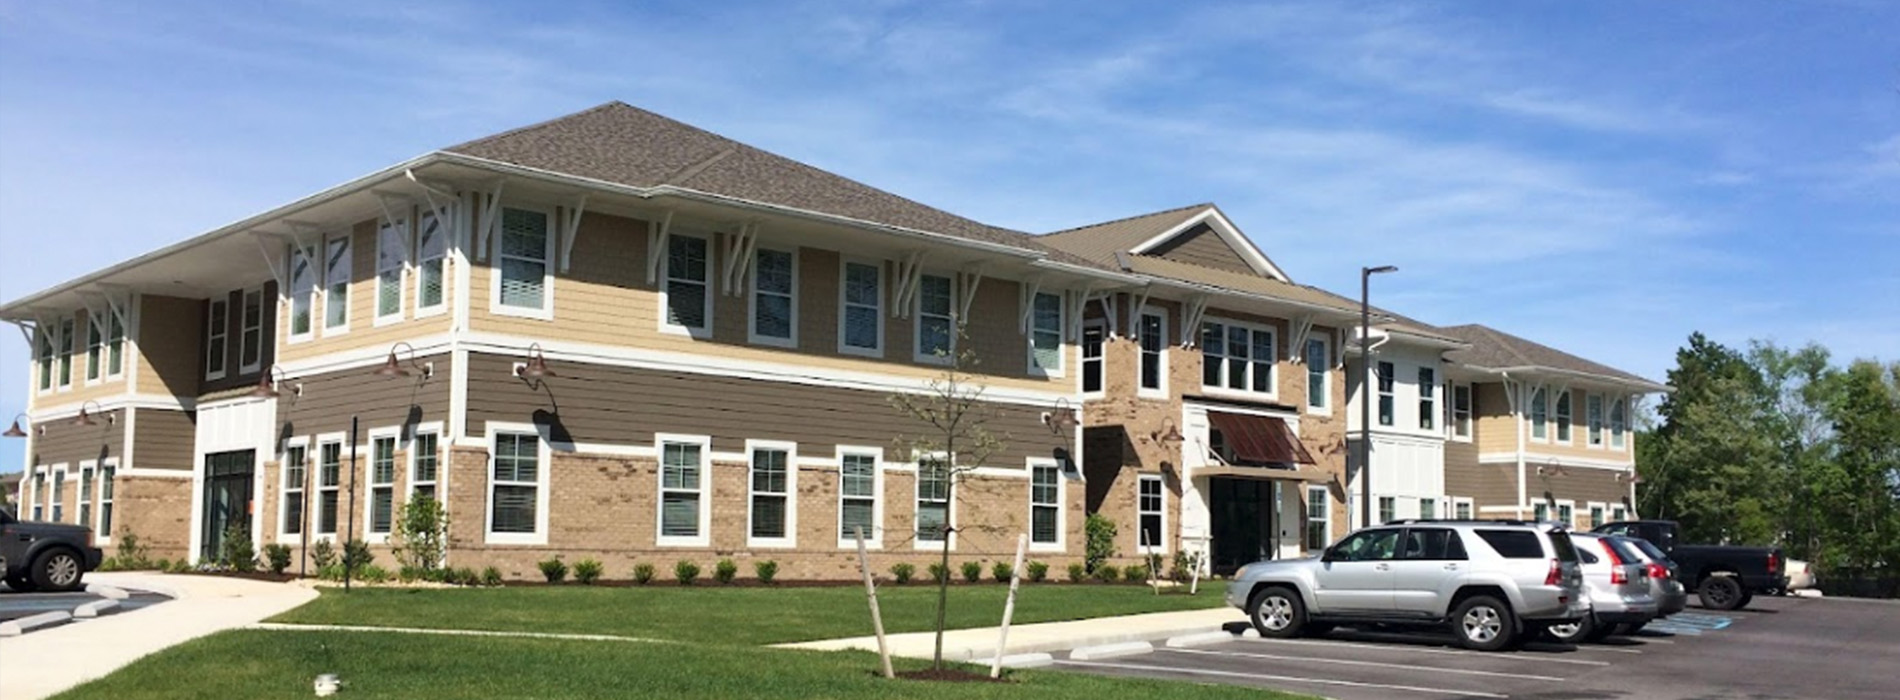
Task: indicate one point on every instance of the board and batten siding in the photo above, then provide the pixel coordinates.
(1202, 246)
(331, 399)
(164, 439)
(67, 442)
(608, 405)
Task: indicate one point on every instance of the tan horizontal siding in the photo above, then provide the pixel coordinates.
(362, 330)
(330, 400)
(1496, 429)
(1202, 246)
(164, 439)
(1580, 484)
(234, 376)
(79, 390)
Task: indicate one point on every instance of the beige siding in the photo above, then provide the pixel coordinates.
(1496, 430)
(362, 330)
(170, 341)
(164, 439)
(67, 442)
(78, 390)
(330, 400)
(1202, 246)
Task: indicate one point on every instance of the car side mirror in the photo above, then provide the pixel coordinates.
(1327, 557)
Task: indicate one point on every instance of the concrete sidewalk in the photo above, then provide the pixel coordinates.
(42, 663)
(977, 644)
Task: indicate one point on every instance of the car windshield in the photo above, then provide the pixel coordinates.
(1649, 550)
(1560, 542)
(1626, 549)
(1367, 546)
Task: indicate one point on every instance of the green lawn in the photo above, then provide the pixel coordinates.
(747, 616)
(259, 664)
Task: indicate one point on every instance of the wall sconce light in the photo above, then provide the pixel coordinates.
(1629, 477)
(1060, 418)
(1552, 470)
(85, 417)
(15, 431)
(393, 367)
(536, 368)
(267, 384)
(1171, 436)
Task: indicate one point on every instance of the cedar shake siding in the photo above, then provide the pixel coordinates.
(164, 439)
(330, 400)
(609, 405)
(66, 442)
(1202, 246)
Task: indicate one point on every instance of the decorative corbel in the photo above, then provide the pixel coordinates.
(1026, 302)
(658, 233)
(1191, 321)
(968, 281)
(490, 220)
(571, 229)
(909, 271)
(741, 246)
(1301, 328)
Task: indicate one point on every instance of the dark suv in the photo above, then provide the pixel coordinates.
(45, 556)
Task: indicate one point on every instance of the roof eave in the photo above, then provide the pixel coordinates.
(1644, 384)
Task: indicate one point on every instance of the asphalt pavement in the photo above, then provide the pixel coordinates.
(14, 604)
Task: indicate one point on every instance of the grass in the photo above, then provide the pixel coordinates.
(259, 664)
(746, 616)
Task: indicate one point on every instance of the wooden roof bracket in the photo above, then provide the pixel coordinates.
(1075, 304)
(1191, 320)
(968, 281)
(1111, 308)
(658, 233)
(490, 219)
(1026, 302)
(280, 273)
(571, 228)
(741, 246)
(444, 211)
(27, 330)
(93, 317)
(1134, 310)
(1302, 328)
(909, 271)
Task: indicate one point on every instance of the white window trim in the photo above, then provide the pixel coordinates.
(341, 440)
(64, 351)
(546, 312)
(916, 491)
(394, 436)
(1273, 369)
(217, 336)
(283, 489)
(1062, 506)
(112, 318)
(666, 278)
(1616, 508)
(1141, 391)
(1557, 509)
(84, 515)
(1081, 360)
(544, 469)
(45, 363)
(95, 357)
(1062, 338)
(1601, 424)
(1157, 547)
(1596, 505)
(875, 538)
(917, 322)
(1563, 400)
(1436, 400)
(441, 462)
(402, 272)
(1326, 378)
(1470, 415)
(1468, 503)
(752, 303)
(704, 538)
(323, 288)
(446, 232)
(1530, 415)
(56, 480)
(1326, 516)
(843, 304)
(102, 537)
(310, 296)
(263, 339)
(1619, 434)
(791, 495)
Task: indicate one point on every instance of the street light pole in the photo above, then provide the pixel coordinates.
(1366, 390)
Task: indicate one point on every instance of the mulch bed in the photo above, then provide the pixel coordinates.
(950, 675)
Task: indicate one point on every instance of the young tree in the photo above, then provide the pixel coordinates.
(952, 438)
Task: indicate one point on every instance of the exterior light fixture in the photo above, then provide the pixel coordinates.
(1061, 417)
(15, 431)
(393, 367)
(85, 416)
(267, 384)
(536, 368)
(1171, 436)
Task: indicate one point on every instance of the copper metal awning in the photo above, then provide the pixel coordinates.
(1259, 440)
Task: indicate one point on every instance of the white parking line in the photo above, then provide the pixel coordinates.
(1287, 679)
(1425, 650)
(1350, 662)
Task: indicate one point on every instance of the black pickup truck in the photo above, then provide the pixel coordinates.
(1723, 577)
(45, 556)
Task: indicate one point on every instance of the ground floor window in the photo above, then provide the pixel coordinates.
(1596, 515)
(1428, 508)
(105, 500)
(295, 471)
(1045, 504)
(1540, 512)
(771, 489)
(59, 496)
(1388, 509)
(1150, 507)
(329, 485)
(425, 464)
(382, 485)
(1319, 517)
(85, 497)
(1566, 514)
(682, 466)
(857, 495)
(1618, 513)
(933, 499)
(1461, 508)
(39, 495)
(515, 491)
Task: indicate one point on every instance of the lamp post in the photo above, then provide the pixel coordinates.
(1366, 390)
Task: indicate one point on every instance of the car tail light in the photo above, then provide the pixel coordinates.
(1658, 570)
(1556, 575)
(1617, 575)
(1774, 563)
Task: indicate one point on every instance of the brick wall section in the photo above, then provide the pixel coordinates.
(157, 510)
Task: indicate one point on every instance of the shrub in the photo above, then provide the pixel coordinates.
(972, 571)
(371, 573)
(322, 554)
(356, 554)
(278, 556)
(938, 574)
(462, 576)
(903, 572)
(685, 571)
(132, 552)
(180, 566)
(1107, 573)
(491, 576)
(1135, 572)
(554, 569)
(421, 535)
(1077, 572)
(643, 573)
(587, 571)
(1002, 571)
(725, 571)
(108, 564)
(765, 570)
(164, 565)
(1182, 569)
(1100, 533)
(1036, 571)
(237, 551)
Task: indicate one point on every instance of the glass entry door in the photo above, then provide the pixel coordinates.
(1243, 527)
(227, 498)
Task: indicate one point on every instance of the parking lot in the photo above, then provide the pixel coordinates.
(14, 604)
(1777, 648)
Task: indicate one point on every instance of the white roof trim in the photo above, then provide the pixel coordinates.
(1235, 239)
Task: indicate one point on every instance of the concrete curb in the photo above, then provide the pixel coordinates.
(1021, 661)
(15, 628)
(105, 591)
(95, 609)
(1111, 651)
(1199, 640)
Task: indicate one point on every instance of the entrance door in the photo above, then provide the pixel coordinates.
(1242, 513)
(227, 498)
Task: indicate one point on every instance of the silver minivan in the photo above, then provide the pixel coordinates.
(1615, 583)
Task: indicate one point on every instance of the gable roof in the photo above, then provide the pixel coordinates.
(1495, 349)
(1237, 282)
(1143, 233)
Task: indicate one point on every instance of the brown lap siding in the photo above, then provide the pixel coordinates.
(328, 401)
(164, 439)
(67, 442)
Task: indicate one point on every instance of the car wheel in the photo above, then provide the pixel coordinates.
(1277, 612)
(1484, 623)
(1746, 599)
(1572, 632)
(57, 570)
(1720, 592)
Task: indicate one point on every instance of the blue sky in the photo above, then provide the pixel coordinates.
(1604, 177)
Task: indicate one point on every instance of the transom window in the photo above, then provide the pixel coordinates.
(1386, 395)
(933, 499)
(936, 335)
(1045, 334)
(857, 496)
(336, 282)
(1427, 398)
(1318, 361)
(771, 490)
(514, 493)
(1045, 504)
(681, 466)
(688, 299)
(862, 331)
(1237, 357)
(523, 259)
(774, 296)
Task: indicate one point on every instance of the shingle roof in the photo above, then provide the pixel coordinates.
(1100, 242)
(620, 143)
(1491, 347)
(1238, 282)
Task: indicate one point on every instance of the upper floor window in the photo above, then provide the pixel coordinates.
(774, 297)
(688, 298)
(1318, 386)
(392, 255)
(66, 352)
(336, 282)
(1092, 336)
(303, 285)
(94, 344)
(1563, 417)
(1237, 357)
(1386, 395)
(1461, 410)
(1152, 333)
(936, 333)
(1427, 398)
(251, 332)
(1593, 417)
(1045, 334)
(1540, 412)
(432, 252)
(45, 336)
(526, 245)
(1619, 421)
(861, 330)
(217, 330)
(115, 345)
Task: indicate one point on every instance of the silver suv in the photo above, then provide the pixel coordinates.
(1488, 580)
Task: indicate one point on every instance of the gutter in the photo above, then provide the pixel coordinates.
(1645, 384)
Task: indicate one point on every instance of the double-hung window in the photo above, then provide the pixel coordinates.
(105, 501)
(303, 290)
(39, 493)
(1593, 414)
(936, 332)
(1152, 332)
(1045, 334)
(688, 295)
(251, 332)
(1563, 417)
(432, 253)
(1566, 513)
(1428, 508)
(774, 297)
(771, 478)
(1386, 396)
(1150, 513)
(1092, 336)
(1596, 515)
(85, 496)
(1318, 362)
(1427, 398)
(1045, 504)
(66, 352)
(1319, 517)
(392, 255)
(296, 470)
(1461, 508)
(1237, 357)
(683, 511)
(1540, 407)
(514, 497)
(1619, 422)
(45, 336)
(329, 485)
(1461, 410)
(424, 465)
(858, 493)
(382, 485)
(336, 283)
(933, 498)
(94, 342)
(1388, 509)
(115, 345)
(217, 330)
(59, 495)
(861, 330)
(526, 244)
